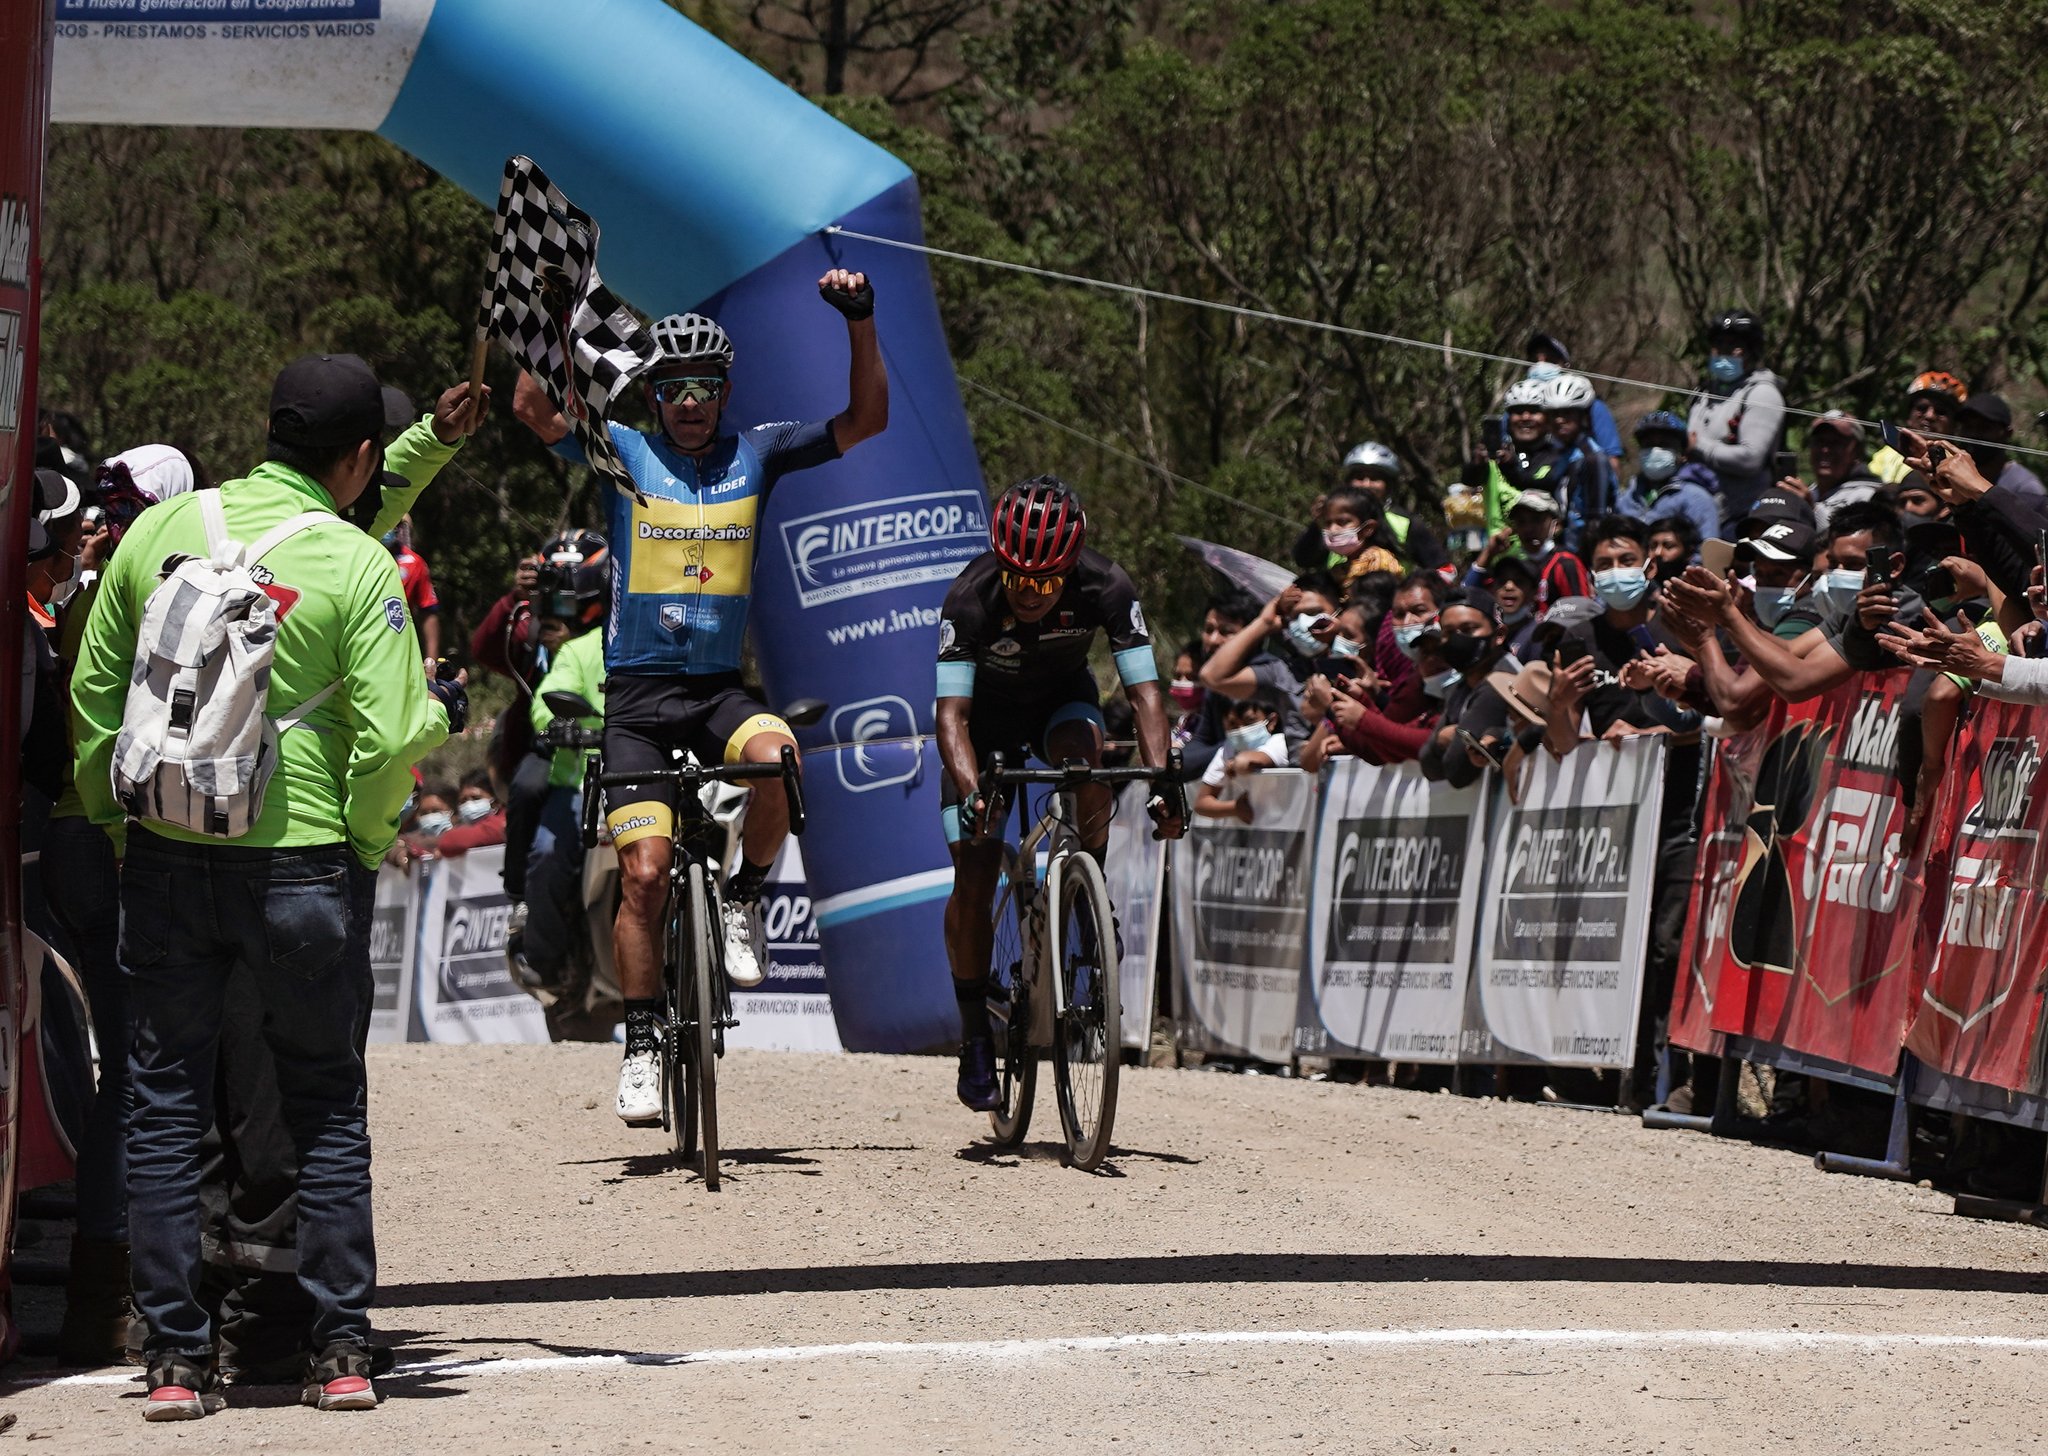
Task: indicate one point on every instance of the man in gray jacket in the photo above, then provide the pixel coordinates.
(1737, 419)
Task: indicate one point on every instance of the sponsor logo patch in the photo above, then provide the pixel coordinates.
(394, 613)
(672, 616)
(879, 743)
(875, 546)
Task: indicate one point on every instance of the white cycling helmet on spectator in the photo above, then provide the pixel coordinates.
(690, 336)
(1569, 391)
(1372, 458)
(1528, 394)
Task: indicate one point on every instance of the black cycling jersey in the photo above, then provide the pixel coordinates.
(986, 653)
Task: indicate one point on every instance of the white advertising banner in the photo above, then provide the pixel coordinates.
(791, 1010)
(1136, 872)
(296, 63)
(394, 939)
(1241, 919)
(1567, 910)
(463, 989)
(1395, 903)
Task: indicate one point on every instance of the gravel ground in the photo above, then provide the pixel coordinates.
(520, 1222)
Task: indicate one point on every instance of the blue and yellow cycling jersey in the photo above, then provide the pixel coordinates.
(683, 563)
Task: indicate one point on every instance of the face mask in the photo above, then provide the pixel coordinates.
(1660, 464)
(1344, 648)
(1300, 636)
(1842, 584)
(434, 825)
(1186, 693)
(1772, 603)
(1406, 634)
(1245, 739)
(1544, 372)
(1622, 587)
(1725, 369)
(1440, 683)
(1341, 539)
(1465, 653)
(64, 586)
(469, 811)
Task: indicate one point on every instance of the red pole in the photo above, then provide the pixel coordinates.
(26, 30)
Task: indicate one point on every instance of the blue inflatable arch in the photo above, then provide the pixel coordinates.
(713, 183)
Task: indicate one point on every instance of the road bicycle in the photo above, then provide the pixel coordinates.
(696, 995)
(1053, 970)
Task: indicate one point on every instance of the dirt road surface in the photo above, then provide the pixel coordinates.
(1266, 1265)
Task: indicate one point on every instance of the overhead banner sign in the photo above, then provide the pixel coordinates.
(464, 989)
(1135, 873)
(1824, 920)
(791, 1010)
(1567, 911)
(1241, 919)
(1394, 903)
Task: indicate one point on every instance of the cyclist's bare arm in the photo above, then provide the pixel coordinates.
(956, 749)
(1149, 709)
(533, 409)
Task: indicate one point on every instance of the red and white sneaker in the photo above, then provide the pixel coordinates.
(340, 1381)
(181, 1389)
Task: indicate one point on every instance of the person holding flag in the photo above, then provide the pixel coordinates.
(683, 524)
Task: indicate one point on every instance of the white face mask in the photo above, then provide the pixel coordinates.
(1344, 647)
(469, 811)
(435, 824)
(61, 590)
(1245, 739)
(1842, 584)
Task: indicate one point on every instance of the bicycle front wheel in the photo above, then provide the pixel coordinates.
(1009, 1014)
(1087, 1028)
(708, 942)
(678, 1047)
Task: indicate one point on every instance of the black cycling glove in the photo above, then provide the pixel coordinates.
(857, 304)
(454, 697)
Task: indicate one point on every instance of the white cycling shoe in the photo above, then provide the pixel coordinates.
(640, 1089)
(745, 957)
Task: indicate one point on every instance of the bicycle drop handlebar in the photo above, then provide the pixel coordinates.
(1167, 780)
(691, 776)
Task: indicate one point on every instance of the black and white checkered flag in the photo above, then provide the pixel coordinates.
(544, 301)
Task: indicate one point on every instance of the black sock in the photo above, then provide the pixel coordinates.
(747, 880)
(972, 997)
(643, 1022)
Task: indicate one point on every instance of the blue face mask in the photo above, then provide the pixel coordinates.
(1659, 465)
(1841, 585)
(1406, 634)
(1544, 372)
(1437, 684)
(1344, 648)
(1245, 739)
(1772, 603)
(1725, 369)
(1301, 636)
(1622, 587)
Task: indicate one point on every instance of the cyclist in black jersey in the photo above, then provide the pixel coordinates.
(1013, 676)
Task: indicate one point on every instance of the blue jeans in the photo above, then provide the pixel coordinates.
(83, 887)
(190, 914)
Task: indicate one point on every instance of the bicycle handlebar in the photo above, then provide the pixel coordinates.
(691, 775)
(1168, 780)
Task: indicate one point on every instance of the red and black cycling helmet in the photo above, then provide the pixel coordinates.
(1038, 527)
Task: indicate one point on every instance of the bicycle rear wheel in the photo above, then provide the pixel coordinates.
(707, 962)
(1009, 1013)
(1087, 1029)
(678, 1053)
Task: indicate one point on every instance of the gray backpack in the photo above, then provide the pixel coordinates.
(197, 747)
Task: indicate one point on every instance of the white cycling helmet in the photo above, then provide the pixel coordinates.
(1526, 394)
(1375, 457)
(1569, 391)
(687, 336)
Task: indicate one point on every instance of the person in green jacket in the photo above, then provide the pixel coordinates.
(541, 935)
(285, 902)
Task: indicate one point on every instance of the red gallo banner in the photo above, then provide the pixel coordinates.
(1822, 923)
(1980, 1011)
(1729, 845)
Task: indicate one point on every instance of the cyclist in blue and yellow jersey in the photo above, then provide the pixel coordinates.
(1013, 676)
(682, 570)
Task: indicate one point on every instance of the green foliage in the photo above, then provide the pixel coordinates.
(1870, 176)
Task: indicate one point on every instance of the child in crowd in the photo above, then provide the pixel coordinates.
(1354, 528)
(1253, 743)
(1187, 692)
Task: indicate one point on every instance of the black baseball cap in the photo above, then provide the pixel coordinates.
(1779, 541)
(1988, 408)
(1773, 506)
(326, 401)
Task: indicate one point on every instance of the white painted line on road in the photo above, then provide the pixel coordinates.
(1749, 1340)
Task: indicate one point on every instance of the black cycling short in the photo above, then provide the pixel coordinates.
(1017, 729)
(647, 718)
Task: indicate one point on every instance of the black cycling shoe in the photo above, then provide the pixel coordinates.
(978, 1075)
